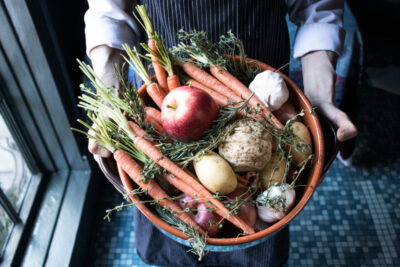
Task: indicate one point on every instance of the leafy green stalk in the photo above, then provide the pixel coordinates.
(100, 134)
(163, 58)
(136, 64)
(144, 20)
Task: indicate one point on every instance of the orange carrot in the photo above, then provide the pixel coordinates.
(137, 130)
(156, 94)
(241, 90)
(160, 73)
(168, 177)
(152, 152)
(153, 113)
(173, 82)
(154, 116)
(187, 189)
(242, 180)
(153, 189)
(221, 100)
(126, 182)
(159, 55)
(142, 91)
(157, 126)
(208, 80)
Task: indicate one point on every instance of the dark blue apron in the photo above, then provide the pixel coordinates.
(261, 25)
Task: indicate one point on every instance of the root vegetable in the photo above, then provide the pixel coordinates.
(215, 173)
(285, 112)
(249, 147)
(208, 221)
(247, 211)
(274, 171)
(275, 202)
(302, 143)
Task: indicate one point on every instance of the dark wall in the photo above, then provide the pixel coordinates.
(379, 22)
(67, 19)
(60, 27)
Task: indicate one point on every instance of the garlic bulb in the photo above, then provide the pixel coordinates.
(270, 88)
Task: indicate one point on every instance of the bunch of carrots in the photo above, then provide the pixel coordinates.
(132, 150)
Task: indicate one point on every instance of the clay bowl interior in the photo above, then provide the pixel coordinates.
(312, 177)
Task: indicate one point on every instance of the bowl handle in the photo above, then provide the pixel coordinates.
(332, 144)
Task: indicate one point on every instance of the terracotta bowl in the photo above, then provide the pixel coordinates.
(312, 177)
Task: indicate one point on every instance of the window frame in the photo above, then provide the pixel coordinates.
(60, 193)
(24, 214)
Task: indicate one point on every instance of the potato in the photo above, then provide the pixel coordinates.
(274, 171)
(301, 131)
(215, 173)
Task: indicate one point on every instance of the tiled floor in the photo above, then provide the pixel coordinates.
(352, 220)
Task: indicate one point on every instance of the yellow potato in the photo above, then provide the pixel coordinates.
(274, 171)
(301, 131)
(215, 173)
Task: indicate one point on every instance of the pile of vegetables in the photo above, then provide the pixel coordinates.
(245, 165)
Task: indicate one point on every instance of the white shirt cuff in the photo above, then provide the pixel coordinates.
(318, 36)
(102, 32)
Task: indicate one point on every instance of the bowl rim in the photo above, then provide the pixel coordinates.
(315, 171)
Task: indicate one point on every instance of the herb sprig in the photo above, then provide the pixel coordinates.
(196, 240)
(195, 44)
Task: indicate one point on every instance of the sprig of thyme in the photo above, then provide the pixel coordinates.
(195, 44)
(196, 240)
(134, 105)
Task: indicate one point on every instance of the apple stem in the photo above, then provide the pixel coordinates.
(168, 106)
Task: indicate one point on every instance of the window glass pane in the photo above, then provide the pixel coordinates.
(5, 227)
(14, 173)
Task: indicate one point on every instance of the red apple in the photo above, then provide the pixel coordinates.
(187, 112)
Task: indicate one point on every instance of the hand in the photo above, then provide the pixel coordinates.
(95, 148)
(104, 59)
(319, 77)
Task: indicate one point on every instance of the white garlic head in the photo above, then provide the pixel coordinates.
(270, 88)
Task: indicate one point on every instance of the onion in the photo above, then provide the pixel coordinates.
(208, 221)
(247, 211)
(274, 203)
